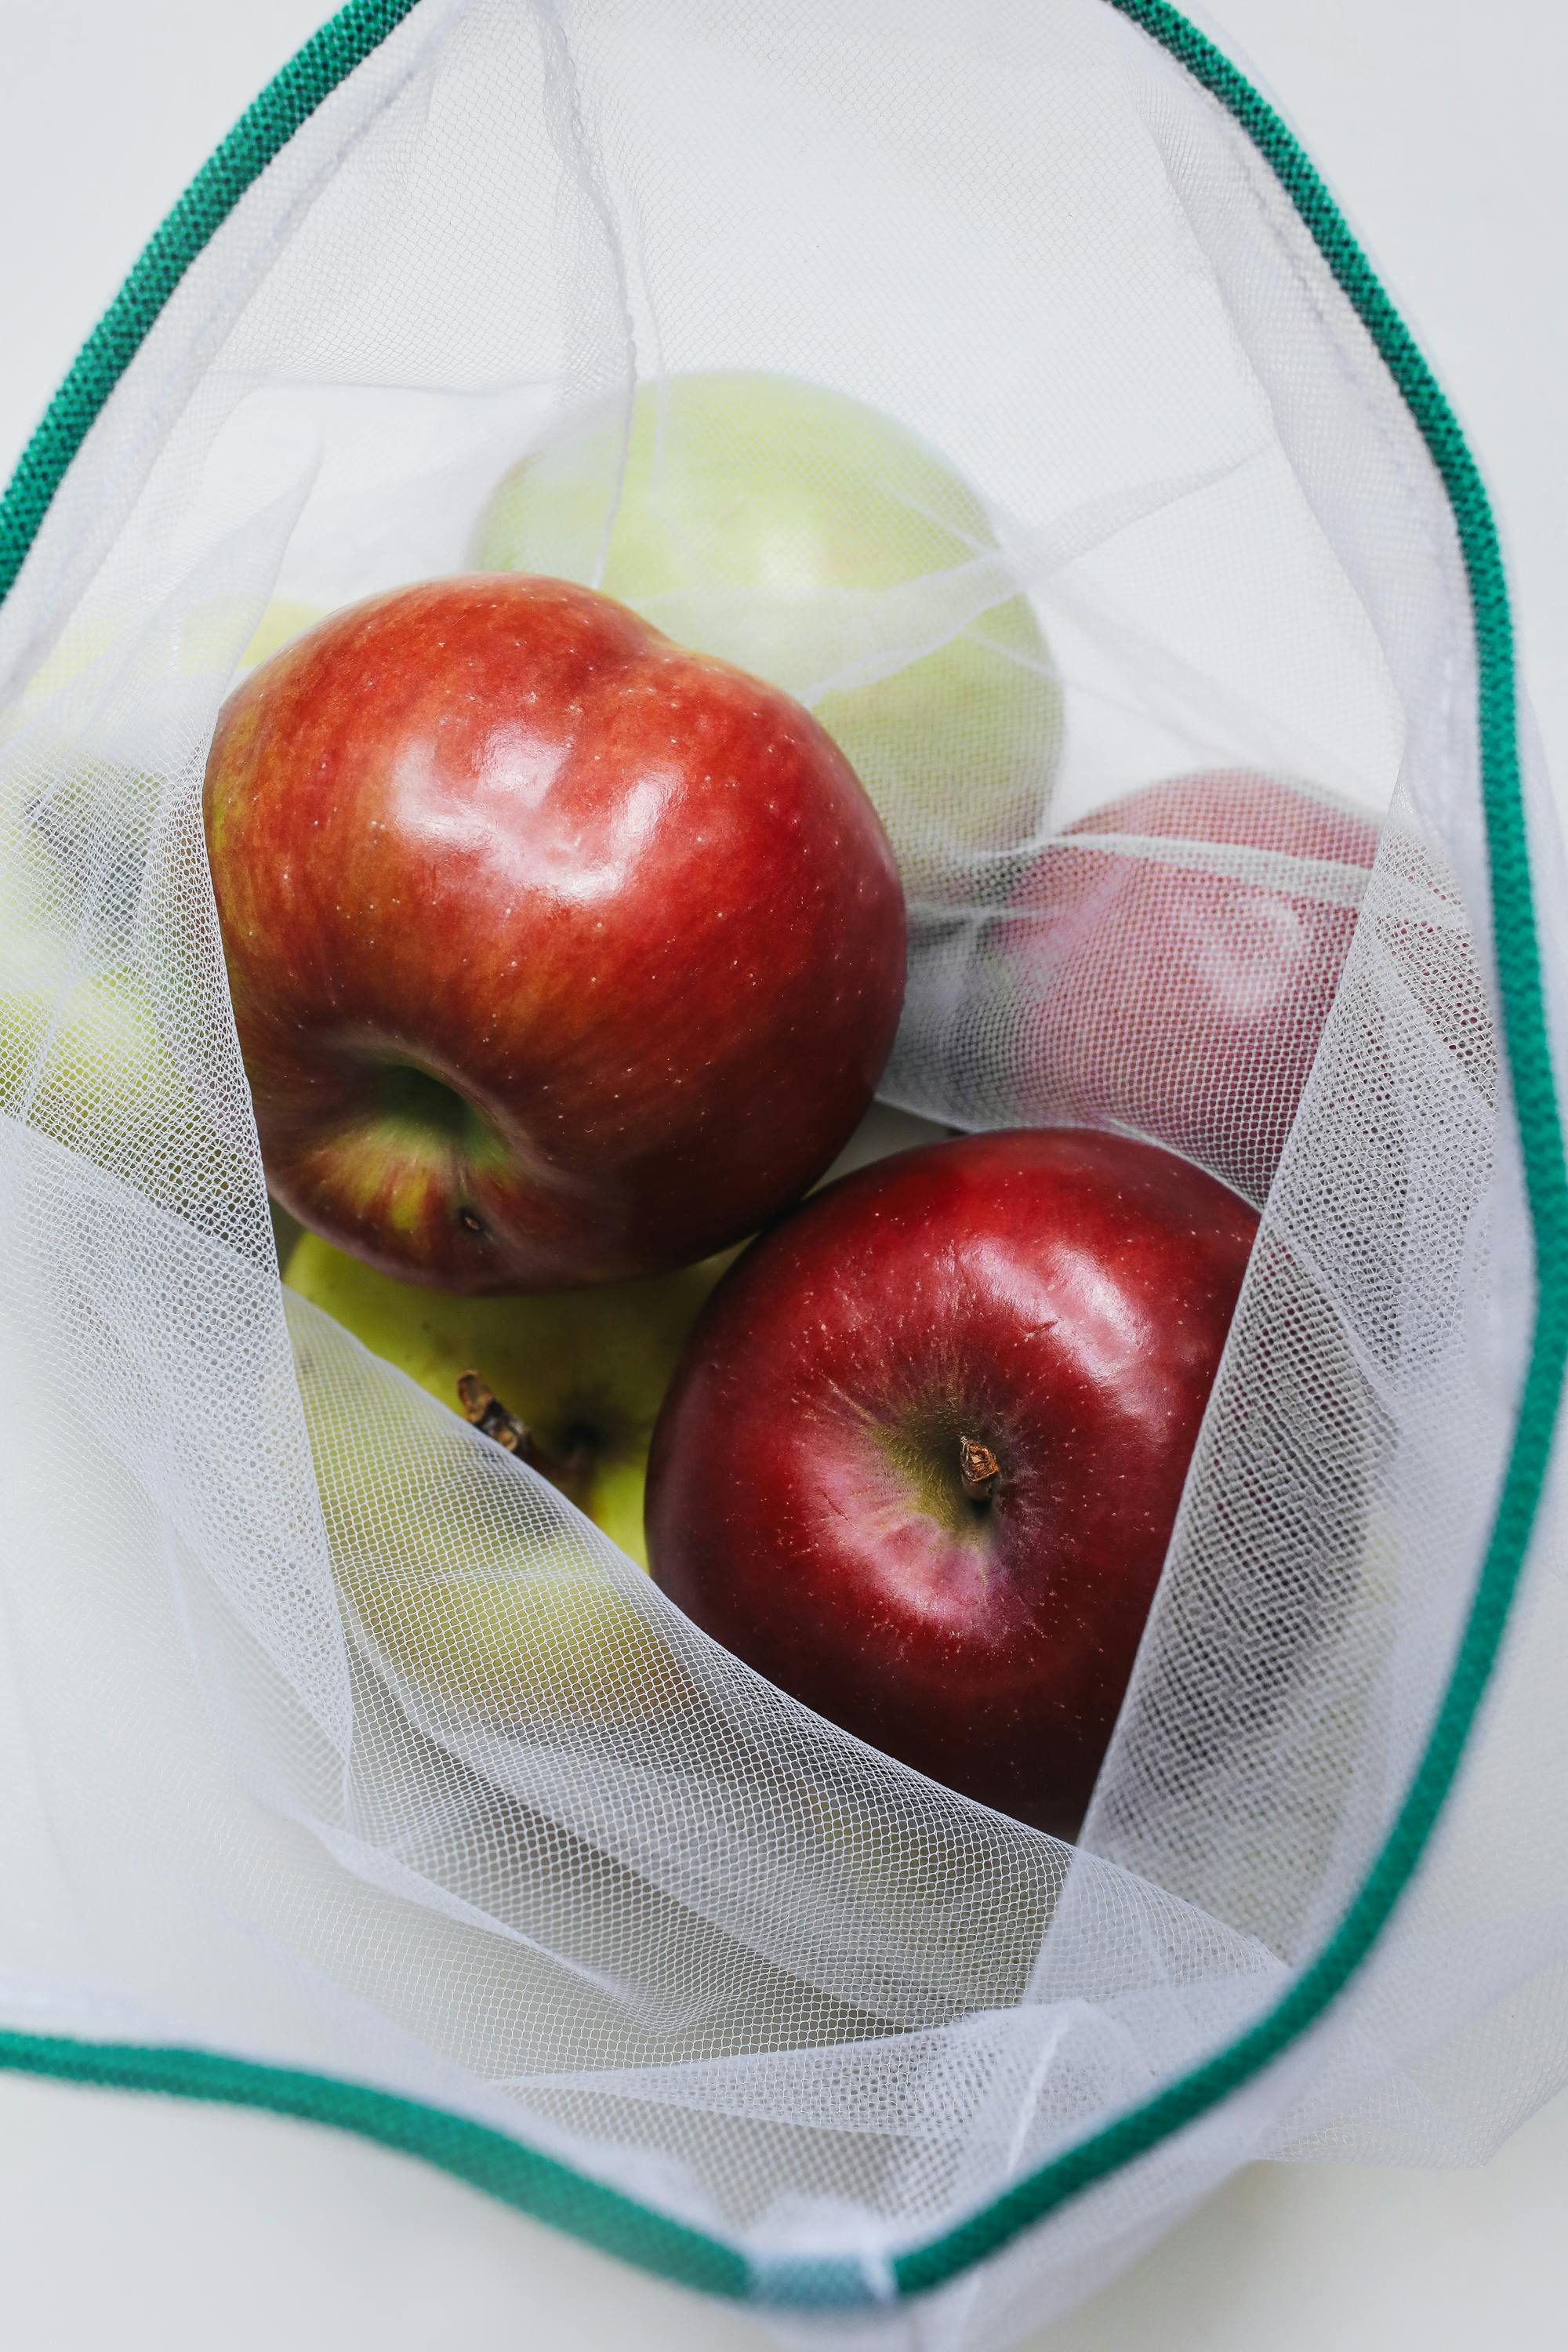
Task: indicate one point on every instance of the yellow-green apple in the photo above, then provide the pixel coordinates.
(82, 1055)
(464, 1590)
(559, 954)
(583, 1370)
(822, 544)
(88, 801)
(85, 1061)
(285, 618)
(203, 640)
(1167, 964)
(921, 1459)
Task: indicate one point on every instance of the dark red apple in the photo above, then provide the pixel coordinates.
(559, 954)
(921, 1457)
(1182, 993)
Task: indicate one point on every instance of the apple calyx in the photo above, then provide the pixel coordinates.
(978, 1468)
(485, 1411)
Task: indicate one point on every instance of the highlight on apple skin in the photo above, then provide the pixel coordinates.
(922, 1460)
(558, 954)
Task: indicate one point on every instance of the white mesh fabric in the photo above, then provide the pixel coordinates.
(644, 1911)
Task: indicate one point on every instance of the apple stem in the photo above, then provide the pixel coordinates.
(979, 1469)
(485, 1411)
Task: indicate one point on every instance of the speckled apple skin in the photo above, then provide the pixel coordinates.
(1059, 1297)
(627, 904)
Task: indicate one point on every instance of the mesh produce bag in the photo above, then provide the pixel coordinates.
(613, 1929)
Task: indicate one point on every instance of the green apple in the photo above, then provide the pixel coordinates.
(77, 814)
(454, 1585)
(584, 1370)
(435, 1574)
(823, 546)
(465, 1613)
(83, 1057)
(81, 1045)
(202, 642)
(284, 618)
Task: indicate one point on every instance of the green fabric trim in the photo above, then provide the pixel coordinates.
(1197, 2092)
(310, 75)
(487, 2159)
(494, 2161)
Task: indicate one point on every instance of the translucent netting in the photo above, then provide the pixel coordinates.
(340, 1739)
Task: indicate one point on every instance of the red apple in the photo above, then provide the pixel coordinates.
(921, 1456)
(1181, 995)
(559, 954)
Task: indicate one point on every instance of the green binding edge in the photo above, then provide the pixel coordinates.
(490, 2159)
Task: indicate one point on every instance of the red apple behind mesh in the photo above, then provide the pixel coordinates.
(559, 954)
(1182, 995)
(922, 1455)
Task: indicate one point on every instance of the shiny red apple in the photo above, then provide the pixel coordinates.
(921, 1457)
(1167, 964)
(559, 954)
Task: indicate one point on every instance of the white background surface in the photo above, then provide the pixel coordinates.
(1437, 124)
